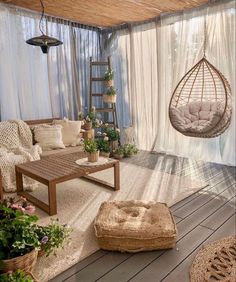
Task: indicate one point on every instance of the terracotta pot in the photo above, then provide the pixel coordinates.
(108, 83)
(25, 262)
(118, 156)
(105, 154)
(93, 157)
(109, 98)
(88, 125)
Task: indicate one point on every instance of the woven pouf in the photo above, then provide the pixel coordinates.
(215, 262)
(133, 226)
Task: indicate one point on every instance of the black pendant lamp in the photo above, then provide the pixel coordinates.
(43, 41)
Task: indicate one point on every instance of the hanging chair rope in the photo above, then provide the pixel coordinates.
(200, 105)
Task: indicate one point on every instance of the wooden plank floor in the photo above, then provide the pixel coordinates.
(201, 218)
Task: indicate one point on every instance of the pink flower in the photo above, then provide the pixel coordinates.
(30, 209)
(17, 207)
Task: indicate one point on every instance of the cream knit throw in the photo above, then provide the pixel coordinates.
(16, 148)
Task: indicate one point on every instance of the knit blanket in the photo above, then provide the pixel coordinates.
(16, 148)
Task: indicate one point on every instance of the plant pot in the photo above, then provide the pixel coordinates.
(108, 83)
(88, 125)
(25, 262)
(105, 154)
(109, 98)
(114, 145)
(93, 157)
(118, 156)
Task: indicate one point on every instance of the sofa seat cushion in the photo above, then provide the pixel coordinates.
(196, 117)
(70, 131)
(67, 150)
(134, 226)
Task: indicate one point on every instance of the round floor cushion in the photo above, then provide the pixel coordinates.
(215, 262)
(133, 226)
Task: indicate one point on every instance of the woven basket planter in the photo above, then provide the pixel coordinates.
(105, 154)
(134, 226)
(118, 156)
(108, 83)
(111, 99)
(93, 157)
(88, 125)
(25, 262)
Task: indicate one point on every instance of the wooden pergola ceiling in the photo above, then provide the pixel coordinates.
(107, 13)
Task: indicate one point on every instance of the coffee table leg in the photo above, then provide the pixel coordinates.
(19, 182)
(52, 200)
(117, 176)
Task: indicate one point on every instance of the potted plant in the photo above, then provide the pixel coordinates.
(17, 276)
(90, 146)
(109, 78)
(103, 146)
(113, 135)
(19, 242)
(20, 236)
(129, 150)
(110, 96)
(90, 120)
(118, 153)
(52, 237)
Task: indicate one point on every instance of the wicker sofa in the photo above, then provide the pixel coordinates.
(85, 134)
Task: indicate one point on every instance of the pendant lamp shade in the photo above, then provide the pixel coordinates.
(43, 41)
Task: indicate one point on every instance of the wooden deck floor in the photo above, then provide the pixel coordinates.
(201, 218)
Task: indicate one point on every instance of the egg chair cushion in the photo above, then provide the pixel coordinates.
(133, 226)
(196, 117)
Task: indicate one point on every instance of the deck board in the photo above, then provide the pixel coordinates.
(201, 218)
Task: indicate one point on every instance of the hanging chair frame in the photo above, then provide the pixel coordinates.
(175, 98)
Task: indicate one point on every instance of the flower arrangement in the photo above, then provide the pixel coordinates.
(90, 120)
(103, 145)
(53, 236)
(109, 75)
(20, 235)
(118, 153)
(129, 150)
(17, 276)
(110, 96)
(90, 146)
(111, 133)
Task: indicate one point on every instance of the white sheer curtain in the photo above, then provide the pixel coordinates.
(156, 56)
(34, 85)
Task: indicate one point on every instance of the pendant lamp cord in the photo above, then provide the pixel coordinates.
(41, 19)
(205, 35)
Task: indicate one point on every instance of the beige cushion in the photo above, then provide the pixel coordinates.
(196, 117)
(49, 136)
(67, 150)
(135, 226)
(70, 131)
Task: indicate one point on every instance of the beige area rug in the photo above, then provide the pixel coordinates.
(78, 202)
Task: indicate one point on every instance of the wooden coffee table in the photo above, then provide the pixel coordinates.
(57, 169)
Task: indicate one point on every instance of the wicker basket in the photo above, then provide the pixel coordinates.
(25, 262)
(108, 83)
(88, 125)
(105, 154)
(109, 98)
(93, 157)
(118, 156)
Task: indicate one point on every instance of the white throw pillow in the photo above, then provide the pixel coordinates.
(49, 136)
(70, 131)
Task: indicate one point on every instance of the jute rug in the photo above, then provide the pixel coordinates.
(78, 202)
(215, 262)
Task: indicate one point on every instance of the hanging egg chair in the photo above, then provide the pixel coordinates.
(201, 104)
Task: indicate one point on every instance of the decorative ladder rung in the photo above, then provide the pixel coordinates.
(100, 63)
(98, 79)
(97, 94)
(100, 110)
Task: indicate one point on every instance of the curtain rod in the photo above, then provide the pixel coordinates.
(52, 18)
(158, 18)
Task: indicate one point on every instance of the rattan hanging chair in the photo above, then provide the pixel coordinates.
(201, 104)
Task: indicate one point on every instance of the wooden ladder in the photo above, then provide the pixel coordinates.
(112, 108)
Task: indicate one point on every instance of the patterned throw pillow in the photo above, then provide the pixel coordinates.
(49, 137)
